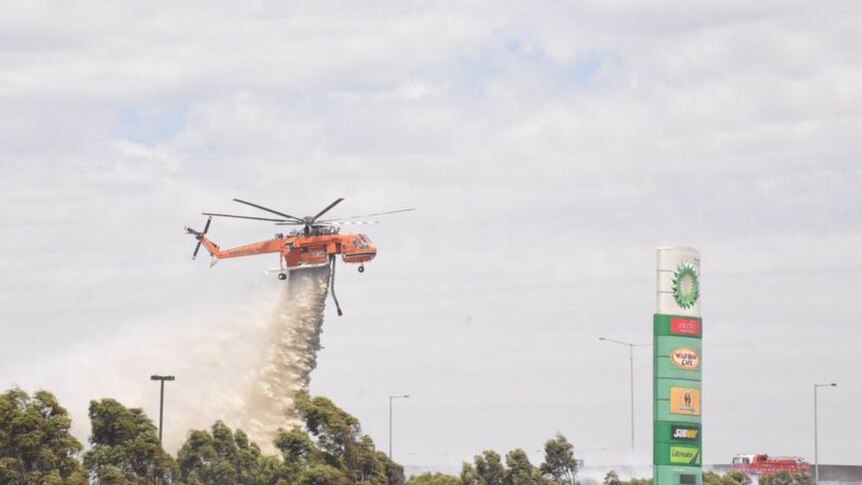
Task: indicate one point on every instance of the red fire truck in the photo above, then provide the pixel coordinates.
(761, 464)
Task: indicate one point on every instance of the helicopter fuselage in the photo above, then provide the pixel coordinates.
(298, 251)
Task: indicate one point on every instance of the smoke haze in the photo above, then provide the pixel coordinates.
(242, 362)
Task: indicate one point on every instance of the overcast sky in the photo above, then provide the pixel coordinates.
(549, 150)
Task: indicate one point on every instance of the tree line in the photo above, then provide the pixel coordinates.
(36, 448)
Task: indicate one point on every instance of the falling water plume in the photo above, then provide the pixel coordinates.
(290, 354)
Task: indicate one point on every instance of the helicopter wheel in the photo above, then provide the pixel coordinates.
(282, 276)
(361, 268)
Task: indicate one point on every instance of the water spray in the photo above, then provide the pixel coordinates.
(290, 354)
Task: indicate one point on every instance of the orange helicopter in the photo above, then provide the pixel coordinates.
(313, 246)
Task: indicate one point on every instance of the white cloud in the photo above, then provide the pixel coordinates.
(549, 148)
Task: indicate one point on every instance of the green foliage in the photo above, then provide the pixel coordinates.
(335, 430)
(611, 478)
(36, 449)
(126, 448)
(730, 478)
(785, 478)
(35, 445)
(433, 479)
(394, 471)
(221, 457)
(736, 478)
(559, 467)
(487, 469)
(711, 478)
(560, 464)
(340, 446)
(333, 452)
(323, 474)
(269, 471)
(469, 476)
(489, 466)
(296, 450)
(639, 481)
(520, 471)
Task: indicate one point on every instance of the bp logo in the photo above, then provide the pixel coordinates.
(686, 287)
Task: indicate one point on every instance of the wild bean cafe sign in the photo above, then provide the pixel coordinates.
(685, 358)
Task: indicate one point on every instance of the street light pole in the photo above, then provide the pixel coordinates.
(162, 380)
(816, 458)
(631, 347)
(403, 396)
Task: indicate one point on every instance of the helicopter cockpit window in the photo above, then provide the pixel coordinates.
(361, 241)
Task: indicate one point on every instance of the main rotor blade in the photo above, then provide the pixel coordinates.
(243, 217)
(351, 223)
(368, 215)
(328, 223)
(287, 216)
(324, 211)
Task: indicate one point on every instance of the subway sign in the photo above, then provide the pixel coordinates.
(684, 433)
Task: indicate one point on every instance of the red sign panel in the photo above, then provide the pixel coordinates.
(685, 326)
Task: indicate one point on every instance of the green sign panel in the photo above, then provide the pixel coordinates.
(676, 453)
(684, 455)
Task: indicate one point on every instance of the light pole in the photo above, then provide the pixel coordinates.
(161, 399)
(816, 458)
(631, 347)
(402, 396)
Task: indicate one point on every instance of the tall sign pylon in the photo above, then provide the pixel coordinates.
(677, 360)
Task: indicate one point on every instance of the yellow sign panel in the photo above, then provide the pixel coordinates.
(684, 400)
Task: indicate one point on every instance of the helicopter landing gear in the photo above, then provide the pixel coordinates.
(282, 276)
(361, 268)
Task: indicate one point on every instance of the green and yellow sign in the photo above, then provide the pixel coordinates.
(684, 455)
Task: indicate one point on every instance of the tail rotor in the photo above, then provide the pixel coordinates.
(199, 236)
